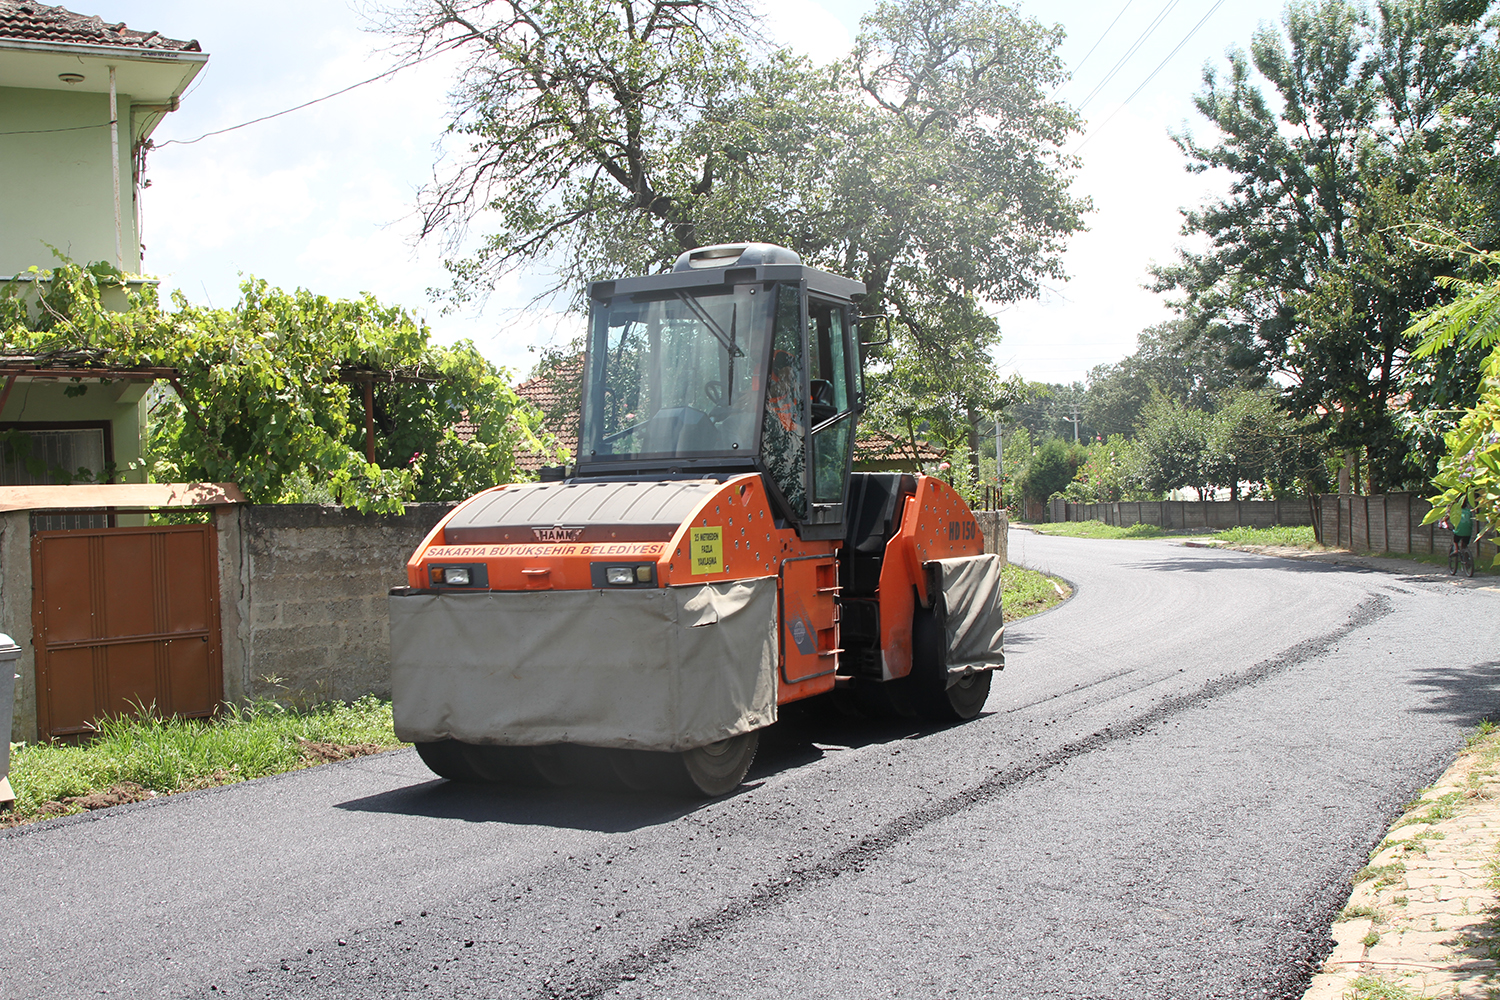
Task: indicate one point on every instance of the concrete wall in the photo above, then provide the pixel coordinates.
(58, 187)
(15, 617)
(1190, 514)
(995, 526)
(1390, 522)
(303, 592)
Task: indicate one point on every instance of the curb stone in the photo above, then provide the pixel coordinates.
(1423, 919)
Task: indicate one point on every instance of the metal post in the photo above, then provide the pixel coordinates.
(114, 163)
(999, 467)
(369, 419)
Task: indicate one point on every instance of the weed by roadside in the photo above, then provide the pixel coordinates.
(1282, 536)
(1375, 988)
(133, 759)
(1096, 529)
(1026, 592)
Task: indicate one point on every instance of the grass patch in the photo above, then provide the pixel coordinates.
(1375, 988)
(133, 759)
(1026, 592)
(1383, 875)
(1357, 913)
(1097, 529)
(1285, 536)
(1439, 809)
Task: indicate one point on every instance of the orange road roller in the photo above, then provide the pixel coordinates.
(709, 557)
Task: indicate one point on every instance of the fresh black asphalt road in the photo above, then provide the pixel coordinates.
(1174, 781)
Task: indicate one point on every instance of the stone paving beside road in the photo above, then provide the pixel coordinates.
(1423, 919)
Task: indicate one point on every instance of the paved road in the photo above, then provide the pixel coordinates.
(1177, 775)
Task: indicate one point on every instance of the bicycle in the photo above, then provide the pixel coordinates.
(1461, 556)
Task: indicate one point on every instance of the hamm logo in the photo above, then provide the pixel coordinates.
(557, 533)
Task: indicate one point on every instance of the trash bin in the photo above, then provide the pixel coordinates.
(9, 653)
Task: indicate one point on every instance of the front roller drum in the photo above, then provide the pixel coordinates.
(485, 764)
(703, 772)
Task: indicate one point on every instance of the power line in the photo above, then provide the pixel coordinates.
(1150, 29)
(1185, 38)
(48, 131)
(307, 104)
(1098, 43)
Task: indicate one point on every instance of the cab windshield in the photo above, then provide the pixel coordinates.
(677, 374)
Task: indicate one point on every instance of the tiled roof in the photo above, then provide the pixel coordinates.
(546, 393)
(39, 22)
(878, 446)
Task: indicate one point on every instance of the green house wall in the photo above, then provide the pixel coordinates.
(56, 186)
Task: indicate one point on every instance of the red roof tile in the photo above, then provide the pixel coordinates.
(547, 393)
(878, 446)
(39, 22)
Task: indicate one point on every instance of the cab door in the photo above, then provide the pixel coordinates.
(833, 395)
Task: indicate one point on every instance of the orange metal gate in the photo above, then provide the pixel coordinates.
(125, 619)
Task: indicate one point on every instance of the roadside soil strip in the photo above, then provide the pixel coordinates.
(1423, 919)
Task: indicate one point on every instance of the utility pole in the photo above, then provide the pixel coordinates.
(999, 468)
(1074, 421)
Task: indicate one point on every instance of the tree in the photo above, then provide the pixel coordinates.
(1469, 472)
(1308, 274)
(265, 393)
(1169, 446)
(606, 137)
(1049, 410)
(1051, 468)
(1250, 439)
(1170, 359)
(1104, 475)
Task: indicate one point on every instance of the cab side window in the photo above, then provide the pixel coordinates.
(828, 353)
(784, 429)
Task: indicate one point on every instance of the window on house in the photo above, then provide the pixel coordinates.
(52, 457)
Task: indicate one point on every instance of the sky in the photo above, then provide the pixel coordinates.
(324, 198)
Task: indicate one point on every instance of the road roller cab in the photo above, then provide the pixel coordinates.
(710, 557)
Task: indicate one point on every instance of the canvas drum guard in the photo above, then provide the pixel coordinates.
(671, 669)
(971, 613)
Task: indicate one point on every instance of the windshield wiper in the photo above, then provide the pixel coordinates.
(727, 339)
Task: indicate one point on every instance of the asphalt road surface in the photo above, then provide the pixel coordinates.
(1176, 777)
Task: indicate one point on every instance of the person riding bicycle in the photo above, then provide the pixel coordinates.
(1462, 527)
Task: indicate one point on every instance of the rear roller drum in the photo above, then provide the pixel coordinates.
(933, 697)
